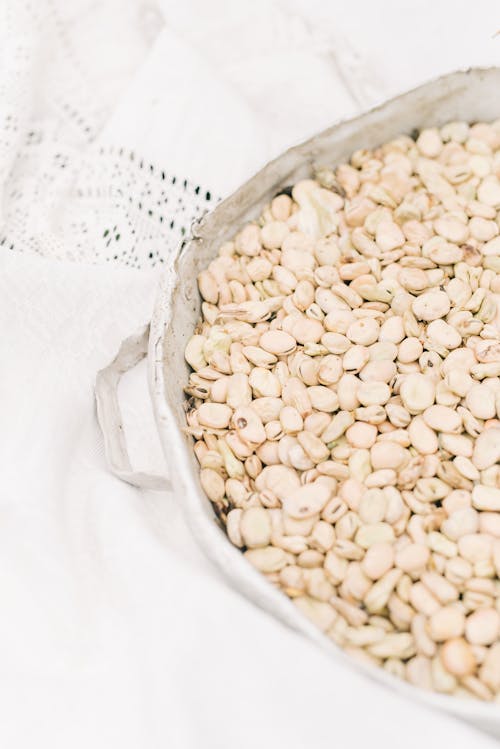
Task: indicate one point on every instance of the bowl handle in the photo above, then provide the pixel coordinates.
(131, 352)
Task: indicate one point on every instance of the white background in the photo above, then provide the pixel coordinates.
(113, 630)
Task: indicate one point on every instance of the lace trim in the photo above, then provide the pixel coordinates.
(111, 206)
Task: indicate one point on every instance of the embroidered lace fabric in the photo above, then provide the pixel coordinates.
(63, 194)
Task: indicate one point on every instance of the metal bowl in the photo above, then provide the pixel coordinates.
(470, 95)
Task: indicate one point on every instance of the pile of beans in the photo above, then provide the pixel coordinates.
(345, 403)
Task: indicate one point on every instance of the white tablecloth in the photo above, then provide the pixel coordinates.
(119, 123)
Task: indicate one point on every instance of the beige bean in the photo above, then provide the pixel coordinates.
(374, 533)
(413, 279)
(442, 419)
(355, 359)
(482, 627)
(313, 446)
(309, 558)
(396, 512)
(490, 668)
(347, 388)
(281, 207)
(347, 525)
(291, 420)
(294, 393)
(383, 351)
(361, 434)
(317, 586)
(457, 657)
(373, 393)
(335, 567)
(431, 305)
(459, 445)
(429, 142)
(439, 543)
(306, 330)
(442, 680)
(247, 242)
(320, 613)
(384, 477)
(335, 343)
(400, 645)
(248, 426)
(491, 476)
(377, 597)
(417, 392)
(213, 484)
(238, 391)
(233, 527)
(489, 523)
(462, 463)
(356, 583)
(412, 558)
(364, 635)
(431, 489)
(214, 415)
(207, 286)
(422, 437)
(322, 536)
(306, 500)
(488, 191)
(323, 399)
(264, 384)
(338, 425)
(363, 332)
(354, 616)
(258, 356)
(445, 396)
(447, 623)
(460, 523)
(267, 559)
(255, 527)
(422, 600)
(303, 296)
(419, 672)
(378, 560)
(374, 415)
(397, 415)
(475, 547)
(424, 643)
(330, 370)
(281, 480)
(359, 463)
(194, 352)
(486, 498)
(277, 342)
(378, 371)
(292, 580)
(392, 330)
(395, 667)
(440, 333)
(389, 236)
(487, 449)
(387, 455)
(458, 570)
(409, 350)
(317, 422)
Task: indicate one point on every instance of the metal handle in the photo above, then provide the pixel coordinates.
(131, 352)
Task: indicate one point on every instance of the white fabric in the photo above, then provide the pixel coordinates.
(121, 122)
